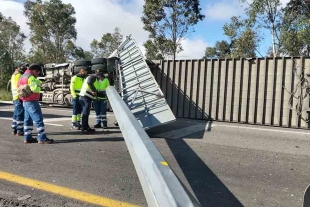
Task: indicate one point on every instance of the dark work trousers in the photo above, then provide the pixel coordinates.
(85, 104)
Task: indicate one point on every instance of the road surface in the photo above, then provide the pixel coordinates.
(222, 164)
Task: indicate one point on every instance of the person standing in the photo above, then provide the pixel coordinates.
(18, 114)
(30, 87)
(100, 103)
(75, 88)
(87, 95)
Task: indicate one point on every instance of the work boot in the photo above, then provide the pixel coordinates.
(91, 130)
(19, 134)
(31, 140)
(116, 123)
(46, 141)
(88, 131)
(97, 126)
(14, 132)
(74, 127)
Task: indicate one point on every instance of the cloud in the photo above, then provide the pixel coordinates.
(15, 10)
(98, 17)
(223, 10)
(192, 49)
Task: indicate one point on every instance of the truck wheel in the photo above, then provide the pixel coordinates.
(96, 61)
(101, 67)
(78, 68)
(82, 62)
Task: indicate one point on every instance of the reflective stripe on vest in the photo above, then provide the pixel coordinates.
(86, 90)
(14, 87)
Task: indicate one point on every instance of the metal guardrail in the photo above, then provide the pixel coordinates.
(160, 185)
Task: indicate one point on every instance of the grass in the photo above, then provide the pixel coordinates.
(5, 95)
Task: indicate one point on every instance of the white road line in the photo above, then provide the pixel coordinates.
(57, 119)
(53, 124)
(178, 133)
(7, 102)
(70, 111)
(10, 119)
(284, 130)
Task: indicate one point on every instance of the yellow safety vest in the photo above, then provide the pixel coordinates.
(86, 91)
(103, 86)
(76, 86)
(14, 81)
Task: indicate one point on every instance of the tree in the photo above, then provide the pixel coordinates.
(295, 30)
(74, 52)
(266, 14)
(11, 46)
(244, 39)
(220, 50)
(158, 48)
(108, 43)
(171, 20)
(52, 25)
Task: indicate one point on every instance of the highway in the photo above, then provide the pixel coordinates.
(221, 164)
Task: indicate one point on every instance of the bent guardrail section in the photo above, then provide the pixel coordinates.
(160, 185)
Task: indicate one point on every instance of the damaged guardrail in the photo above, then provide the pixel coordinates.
(160, 185)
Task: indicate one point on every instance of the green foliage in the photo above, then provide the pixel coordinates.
(52, 25)
(244, 38)
(243, 41)
(108, 43)
(158, 48)
(170, 20)
(11, 47)
(266, 14)
(75, 53)
(5, 95)
(295, 30)
(221, 50)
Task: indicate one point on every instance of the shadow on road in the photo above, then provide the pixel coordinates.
(181, 128)
(108, 139)
(207, 187)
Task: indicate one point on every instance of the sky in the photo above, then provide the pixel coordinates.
(97, 17)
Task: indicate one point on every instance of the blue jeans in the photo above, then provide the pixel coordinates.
(101, 111)
(33, 112)
(86, 104)
(76, 113)
(18, 116)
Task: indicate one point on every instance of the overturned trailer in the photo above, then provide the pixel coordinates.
(127, 71)
(56, 78)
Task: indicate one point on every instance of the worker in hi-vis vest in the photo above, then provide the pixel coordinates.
(18, 114)
(88, 93)
(100, 103)
(29, 87)
(75, 88)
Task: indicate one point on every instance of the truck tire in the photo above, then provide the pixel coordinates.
(96, 61)
(112, 64)
(82, 62)
(76, 69)
(101, 67)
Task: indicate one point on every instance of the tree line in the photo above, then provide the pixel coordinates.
(288, 27)
(53, 34)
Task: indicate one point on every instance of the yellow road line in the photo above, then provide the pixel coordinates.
(66, 192)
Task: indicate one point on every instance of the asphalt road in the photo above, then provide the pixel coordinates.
(224, 165)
